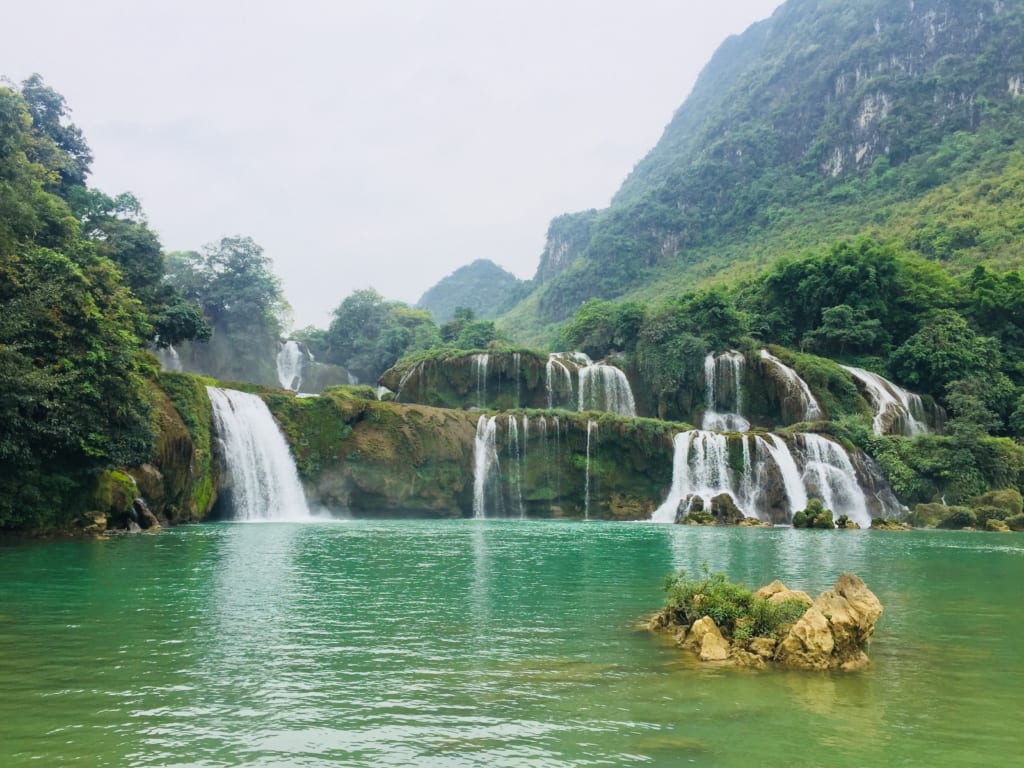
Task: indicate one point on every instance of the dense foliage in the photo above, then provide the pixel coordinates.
(233, 284)
(74, 263)
(732, 607)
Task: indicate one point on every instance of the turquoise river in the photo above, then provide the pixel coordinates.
(490, 643)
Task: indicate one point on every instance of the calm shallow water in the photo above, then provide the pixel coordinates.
(489, 644)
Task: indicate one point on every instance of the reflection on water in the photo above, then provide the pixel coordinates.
(490, 643)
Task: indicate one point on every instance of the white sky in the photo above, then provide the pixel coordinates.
(368, 143)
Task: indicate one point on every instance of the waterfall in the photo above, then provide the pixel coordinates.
(795, 389)
(700, 467)
(792, 480)
(897, 411)
(414, 370)
(517, 372)
(821, 468)
(515, 464)
(486, 481)
(604, 387)
(264, 482)
(557, 378)
(169, 359)
(591, 427)
(479, 369)
(290, 362)
(726, 369)
(829, 475)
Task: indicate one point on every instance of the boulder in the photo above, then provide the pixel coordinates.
(701, 627)
(725, 511)
(833, 633)
(146, 519)
(809, 644)
(770, 589)
(763, 647)
(714, 647)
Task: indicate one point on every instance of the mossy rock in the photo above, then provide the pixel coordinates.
(959, 518)
(1006, 499)
(929, 515)
(887, 524)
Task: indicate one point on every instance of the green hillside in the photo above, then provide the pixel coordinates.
(482, 286)
(827, 121)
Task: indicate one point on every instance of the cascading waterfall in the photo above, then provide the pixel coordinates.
(604, 387)
(591, 428)
(486, 482)
(829, 475)
(796, 388)
(727, 369)
(479, 370)
(821, 468)
(700, 467)
(264, 481)
(290, 362)
(897, 411)
(557, 378)
(515, 464)
(792, 480)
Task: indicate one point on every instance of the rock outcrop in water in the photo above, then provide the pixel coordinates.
(832, 633)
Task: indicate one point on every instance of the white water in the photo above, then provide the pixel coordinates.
(264, 482)
(829, 475)
(897, 411)
(591, 427)
(820, 469)
(792, 480)
(558, 379)
(728, 365)
(796, 388)
(604, 387)
(414, 370)
(515, 464)
(700, 467)
(485, 466)
(479, 368)
(290, 361)
(169, 359)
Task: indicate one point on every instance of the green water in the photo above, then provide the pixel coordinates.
(489, 644)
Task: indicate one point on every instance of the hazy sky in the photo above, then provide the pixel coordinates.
(377, 143)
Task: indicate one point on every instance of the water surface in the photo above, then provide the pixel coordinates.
(486, 643)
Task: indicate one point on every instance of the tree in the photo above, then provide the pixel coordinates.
(601, 327)
(232, 283)
(943, 350)
(845, 330)
(368, 334)
(72, 159)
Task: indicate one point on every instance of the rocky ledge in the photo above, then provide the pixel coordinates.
(832, 633)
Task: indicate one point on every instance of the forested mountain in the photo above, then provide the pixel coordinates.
(482, 286)
(827, 121)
